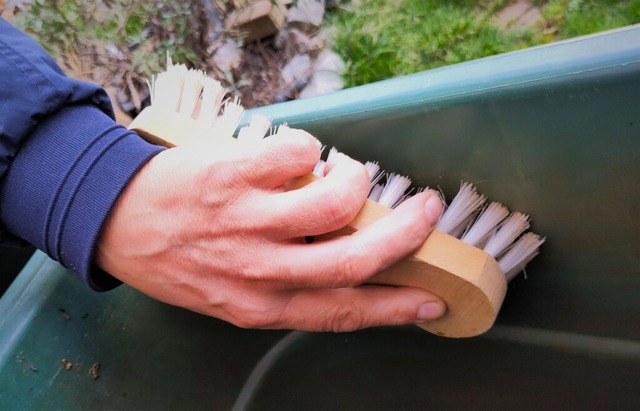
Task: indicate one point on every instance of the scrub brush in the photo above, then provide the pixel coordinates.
(474, 250)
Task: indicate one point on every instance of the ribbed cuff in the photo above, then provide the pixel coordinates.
(64, 182)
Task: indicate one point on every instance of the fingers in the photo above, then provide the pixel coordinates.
(279, 158)
(325, 205)
(351, 260)
(349, 309)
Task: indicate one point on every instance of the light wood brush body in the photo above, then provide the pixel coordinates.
(470, 281)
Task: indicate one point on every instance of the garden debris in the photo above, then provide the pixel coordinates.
(94, 371)
(22, 359)
(66, 364)
(295, 54)
(65, 314)
(10, 8)
(245, 44)
(260, 71)
(257, 20)
(293, 41)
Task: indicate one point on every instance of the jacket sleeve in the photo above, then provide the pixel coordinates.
(63, 159)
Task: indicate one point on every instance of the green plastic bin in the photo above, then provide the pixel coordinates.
(552, 131)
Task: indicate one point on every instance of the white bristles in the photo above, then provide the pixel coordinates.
(390, 193)
(256, 130)
(318, 170)
(485, 223)
(284, 129)
(512, 227)
(394, 190)
(373, 169)
(227, 123)
(464, 204)
(281, 129)
(494, 230)
(376, 192)
(523, 251)
(166, 88)
(212, 95)
(332, 153)
(191, 92)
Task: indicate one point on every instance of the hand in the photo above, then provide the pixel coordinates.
(210, 228)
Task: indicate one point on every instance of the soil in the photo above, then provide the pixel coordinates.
(256, 80)
(94, 371)
(260, 68)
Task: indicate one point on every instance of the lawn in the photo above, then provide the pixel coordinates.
(382, 39)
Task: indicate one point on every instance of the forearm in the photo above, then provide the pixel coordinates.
(64, 181)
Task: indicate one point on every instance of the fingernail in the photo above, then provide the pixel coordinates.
(433, 208)
(430, 311)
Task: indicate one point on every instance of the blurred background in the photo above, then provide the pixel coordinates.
(268, 51)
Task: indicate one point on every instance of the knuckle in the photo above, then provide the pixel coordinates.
(252, 316)
(345, 200)
(261, 272)
(346, 318)
(339, 208)
(243, 173)
(342, 204)
(354, 265)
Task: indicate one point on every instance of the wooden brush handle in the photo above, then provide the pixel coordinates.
(468, 280)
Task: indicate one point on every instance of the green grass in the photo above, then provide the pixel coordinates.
(383, 39)
(579, 17)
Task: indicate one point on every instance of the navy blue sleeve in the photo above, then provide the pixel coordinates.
(63, 159)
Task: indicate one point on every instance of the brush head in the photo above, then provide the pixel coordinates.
(474, 250)
(187, 107)
(494, 230)
(488, 227)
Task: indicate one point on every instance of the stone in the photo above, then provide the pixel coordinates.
(519, 14)
(297, 69)
(307, 14)
(326, 77)
(258, 20)
(228, 56)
